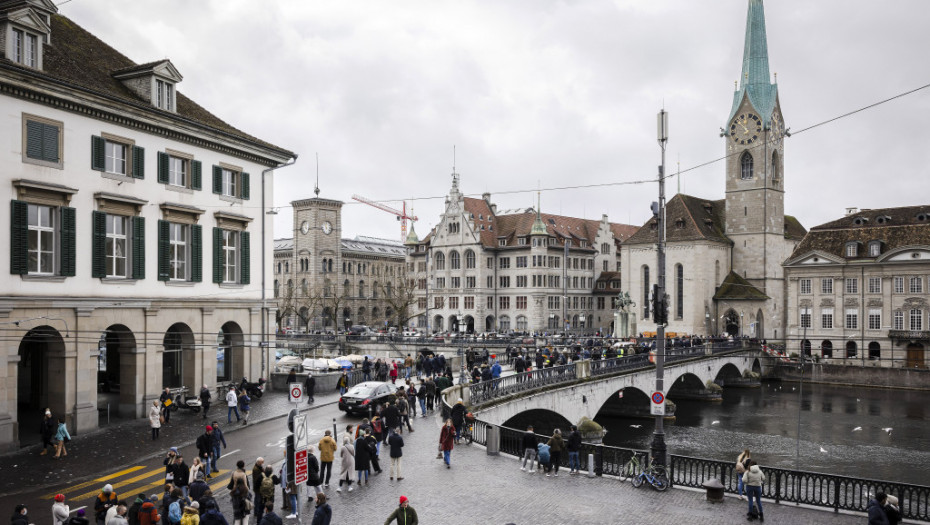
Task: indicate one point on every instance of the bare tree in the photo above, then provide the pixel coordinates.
(286, 298)
(400, 295)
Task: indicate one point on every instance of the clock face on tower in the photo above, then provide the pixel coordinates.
(305, 227)
(327, 227)
(746, 129)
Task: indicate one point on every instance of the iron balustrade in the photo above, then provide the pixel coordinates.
(619, 364)
(808, 488)
(522, 382)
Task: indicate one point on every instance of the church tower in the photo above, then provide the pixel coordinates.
(754, 131)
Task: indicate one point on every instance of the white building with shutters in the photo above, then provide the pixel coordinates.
(128, 272)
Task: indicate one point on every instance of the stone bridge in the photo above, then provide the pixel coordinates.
(593, 387)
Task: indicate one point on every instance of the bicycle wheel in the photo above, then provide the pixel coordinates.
(468, 438)
(637, 480)
(630, 469)
(660, 483)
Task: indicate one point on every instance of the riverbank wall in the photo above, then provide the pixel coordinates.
(856, 376)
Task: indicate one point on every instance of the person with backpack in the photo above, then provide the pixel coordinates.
(556, 444)
(176, 507)
(366, 369)
(542, 452)
(753, 479)
(245, 406)
(191, 514)
(266, 489)
(148, 513)
(742, 463)
(374, 450)
(574, 450)
(132, 515)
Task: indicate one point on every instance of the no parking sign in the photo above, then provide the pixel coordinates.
(296, 391)
(658, 403)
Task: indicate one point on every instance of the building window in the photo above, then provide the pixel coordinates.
(164, 95)
(600, 303)
(826, 286)
(875, 285)
(805, 286)
(437, 303)
(521, 302)
(470, 303)
(898, 320)
(917, 320)
(745, 163)
(875, 249)
(115, 154)
(502, 242)
(605, 248)
(875, 319)
(230, 251)
(455, 261)
(117, 246)
(898, 284)
(177, 171)
(25, 48)
(179, 252)
(852, 286)
(776, 169)
(230, 182)
(916, 284)
(469, 259)
(805, 318)
(679, 291)
(521, 323)
(521, 241)
(521, 261)
(504, 323)
(453, 302)
(645, 303)
(456, 282)
(490, 281)
(470, 282)
(521, 281)
(440, 283)
(42, 141)
(504, 302)
(504, 263)
(440, 261)
(826, 318)
(505, 281)
(554, 302)
(852, 249)
(42, 242)
(852, 319)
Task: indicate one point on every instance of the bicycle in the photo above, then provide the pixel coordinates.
(468, 429)
(656, 475)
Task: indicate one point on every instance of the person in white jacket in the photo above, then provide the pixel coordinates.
(752, 480)
(60, 511)
(232, 402)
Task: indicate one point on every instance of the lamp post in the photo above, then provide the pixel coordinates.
(463, 377)
(658, 437)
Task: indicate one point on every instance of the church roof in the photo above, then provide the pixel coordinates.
(689, 219)
(735, 288)
(893, 227)
(755, 81)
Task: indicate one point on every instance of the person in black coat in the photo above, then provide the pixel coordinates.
(19, 515)
(396, 441)
(391, 416)
(323, 514)
(205, 397)
(309, 386)
(47, 430)
(373, 447)
(362, 458)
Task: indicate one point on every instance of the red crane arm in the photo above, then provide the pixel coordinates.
(383, 207)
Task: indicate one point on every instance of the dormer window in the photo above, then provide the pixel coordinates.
(154, 82)
(852, 249)
(25, 48)
(164, 95)
(875, 248)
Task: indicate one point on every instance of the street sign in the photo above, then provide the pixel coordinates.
(296, 392)
(658, 403)
(300, 467)
(301, 436)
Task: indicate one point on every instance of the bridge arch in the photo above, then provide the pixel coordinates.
(544, 421)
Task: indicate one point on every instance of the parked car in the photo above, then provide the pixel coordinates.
(364, 397)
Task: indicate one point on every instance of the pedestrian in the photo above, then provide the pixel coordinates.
(396, 442)
(191, 514)
(106, 499)
(239, 490)
(458, 417)
(391, 416)
(60, 438)
(324, 513)
(245, 405)
(115, 516)
(421, 398)
(875, 508)
(168, 462)
(148, 513)
(291, 377)
(753, 479)
(327, 447)
(366, 369)
(182, 474)
(212, 516)
(218, 439)
(892, 510)
(132, 515)
(404, 514)
(430, 392)
(310, 386)
(47, 431)
(205, 397)
(342, 383)
(270, 518)
(377, 430)
(393, 372)
(742, 463)
(556, 445)
(419, 366)
(258, 472)
(232, 404)
(347, 457)
(166, 402)
(373, 447)
(208, 501)
(60, 511)
(574, 449)
(204, 446)
(542, 452)
(446, 442)
(266, 489)
(197, 487)
(155, 418)
(403, 407)
(529, 449)
(408, 366)
(195, 468)
(362, 459)
(176, 507)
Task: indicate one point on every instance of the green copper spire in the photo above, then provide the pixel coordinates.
(412, 236)
(755, 81)
(538, 227)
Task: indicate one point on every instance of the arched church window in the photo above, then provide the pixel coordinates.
(745, 164)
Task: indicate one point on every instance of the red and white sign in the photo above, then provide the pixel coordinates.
(658, 403)
(296, 391)
(300, 467)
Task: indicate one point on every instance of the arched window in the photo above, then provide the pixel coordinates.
(745, 165)
(330, 268)
(645, 292)
(374, 293)
(361, 288)
(287, 267)
(504, 323)
(347, 288)
(875, 350)
(324, 265)
(776, 169)
(455, 262)
(469, 259)
(521, 323)
(679, 291)
(440, 261)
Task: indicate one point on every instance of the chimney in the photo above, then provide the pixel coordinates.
(851, 210)
(604, 218)
(487, 197)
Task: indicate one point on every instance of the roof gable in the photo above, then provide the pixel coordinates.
(162, 68)
(735, 288)
(28, 18)
(689, 219)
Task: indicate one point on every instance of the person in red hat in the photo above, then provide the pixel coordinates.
(60, 511)
(404, 514)
(205, 449)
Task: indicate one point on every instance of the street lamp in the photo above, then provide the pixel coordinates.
(463, 377)
(658, 437)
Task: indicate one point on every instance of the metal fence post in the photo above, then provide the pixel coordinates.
(598, 461)
(493, 437)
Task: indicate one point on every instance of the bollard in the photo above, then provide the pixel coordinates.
(493, 445)
(590, 465)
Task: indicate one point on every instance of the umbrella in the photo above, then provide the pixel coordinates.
(343, 363)
(332, 364)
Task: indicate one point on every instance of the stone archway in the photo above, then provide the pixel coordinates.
(826, 348)
(489, 323)
(179, 364)
(41, 381)
(230, 354)
(469, 324)
(731, 323)
(437, 323)
(117, 372)
(760, 325)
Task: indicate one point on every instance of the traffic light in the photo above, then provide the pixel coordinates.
(659, 305)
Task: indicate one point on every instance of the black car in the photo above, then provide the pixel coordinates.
(365, 396)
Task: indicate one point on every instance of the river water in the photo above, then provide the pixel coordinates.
(765, 420)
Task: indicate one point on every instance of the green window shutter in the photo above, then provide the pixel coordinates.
(196, 253)
(98, 159)
(99, 246)
(245, 274)
(164, 250)
(162, 167)
(68, 241)
(138, 247)
(217, 179)
(196, 170)
(245, 186)
(19, 237)
(50, 143)
(217, 255)
(138, 162)
(34, 140)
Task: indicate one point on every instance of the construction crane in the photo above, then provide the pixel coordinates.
(400, 214)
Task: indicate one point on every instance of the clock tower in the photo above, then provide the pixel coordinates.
(317, 238)
(754, 133)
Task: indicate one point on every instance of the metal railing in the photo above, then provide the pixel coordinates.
(619, 364)
(808, 488)
(522, 382)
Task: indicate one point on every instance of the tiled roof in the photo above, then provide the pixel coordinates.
(82, 61)
(735, 288)
(793, 228)
(894, 227)
(689, 219)
(359, 245)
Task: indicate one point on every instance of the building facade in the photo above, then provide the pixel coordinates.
(325, 282)
(480, 270)
(858, 289)
(135, 241)
(723, 270)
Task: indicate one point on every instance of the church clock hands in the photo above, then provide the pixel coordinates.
(746, 128)
(778, 130)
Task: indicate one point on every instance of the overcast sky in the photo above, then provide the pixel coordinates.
(539, 93)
